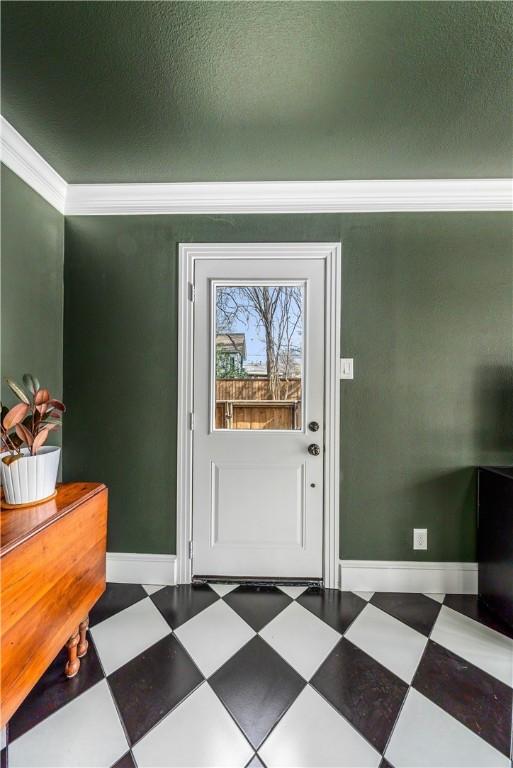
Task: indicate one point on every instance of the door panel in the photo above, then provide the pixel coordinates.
(254, 523)
(258, 382)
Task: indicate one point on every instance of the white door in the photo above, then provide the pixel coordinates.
(258, 405)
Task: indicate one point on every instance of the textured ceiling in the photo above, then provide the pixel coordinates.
(201, 91)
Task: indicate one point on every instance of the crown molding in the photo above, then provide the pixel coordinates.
(18, 155)
(291, 197)
(364, 196)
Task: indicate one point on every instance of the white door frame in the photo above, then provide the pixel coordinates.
(188, 253)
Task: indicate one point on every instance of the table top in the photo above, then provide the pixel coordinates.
(505, 471)
(18, 525)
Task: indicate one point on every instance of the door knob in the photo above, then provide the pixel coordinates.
(314, 449)
(313, 426)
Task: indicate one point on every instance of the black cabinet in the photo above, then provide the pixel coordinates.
(495, 540)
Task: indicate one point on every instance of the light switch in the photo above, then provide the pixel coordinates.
(346, 368)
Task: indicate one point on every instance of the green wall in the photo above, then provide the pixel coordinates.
(32, 287)
(427, 315)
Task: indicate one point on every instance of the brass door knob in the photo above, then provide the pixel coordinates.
(314, 449)
(313, 426)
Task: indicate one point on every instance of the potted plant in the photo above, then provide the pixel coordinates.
(28, 467)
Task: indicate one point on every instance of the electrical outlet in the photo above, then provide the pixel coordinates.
(420, 538)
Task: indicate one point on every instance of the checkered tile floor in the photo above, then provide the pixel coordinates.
(228, 675)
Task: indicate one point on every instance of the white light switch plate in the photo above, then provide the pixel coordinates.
(346, 368)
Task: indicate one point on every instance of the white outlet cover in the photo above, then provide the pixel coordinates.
(420, 538)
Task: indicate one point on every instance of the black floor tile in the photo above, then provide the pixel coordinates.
(127, 761)
(116, 598)
(475, 698)
(336, 608)
(256, 686)
(418, 611)
(54, 690)
(474, 608)
(3, 758)
(362, 690)
(255, 762)
(257, 605)
(152, 684)
(179, 604)
(385, 764)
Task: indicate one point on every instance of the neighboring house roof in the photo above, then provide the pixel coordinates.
(260, 369)
(256, 369)
(232, 342)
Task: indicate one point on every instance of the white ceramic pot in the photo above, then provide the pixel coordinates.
(31, 478)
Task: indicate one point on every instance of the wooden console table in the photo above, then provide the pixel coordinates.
(52, 569)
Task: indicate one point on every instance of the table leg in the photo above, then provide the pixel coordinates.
(83, 645)
(73, 663)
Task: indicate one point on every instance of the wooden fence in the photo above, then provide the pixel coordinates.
(245, 404)
(256, 389)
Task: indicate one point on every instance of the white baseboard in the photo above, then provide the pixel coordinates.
(134, 568)
(355, 575)
(408, 576)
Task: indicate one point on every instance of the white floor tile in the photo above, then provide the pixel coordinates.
(476, 643)
(214, 635)
(312, 734)
(427, 737)
(365, 595)
(199, 733)
(388, 640)
(223, 589)
(438, 596)
(128, 633)
(301, 638)
(293, 592)
(152, 588)
(86, 733)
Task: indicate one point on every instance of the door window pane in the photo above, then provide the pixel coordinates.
(259, 356)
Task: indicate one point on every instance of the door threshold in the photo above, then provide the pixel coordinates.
(258, 581)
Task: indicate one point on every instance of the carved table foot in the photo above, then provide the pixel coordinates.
(83, 644)
(73, 663)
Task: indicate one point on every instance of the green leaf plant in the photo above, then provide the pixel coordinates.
(29, 422)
